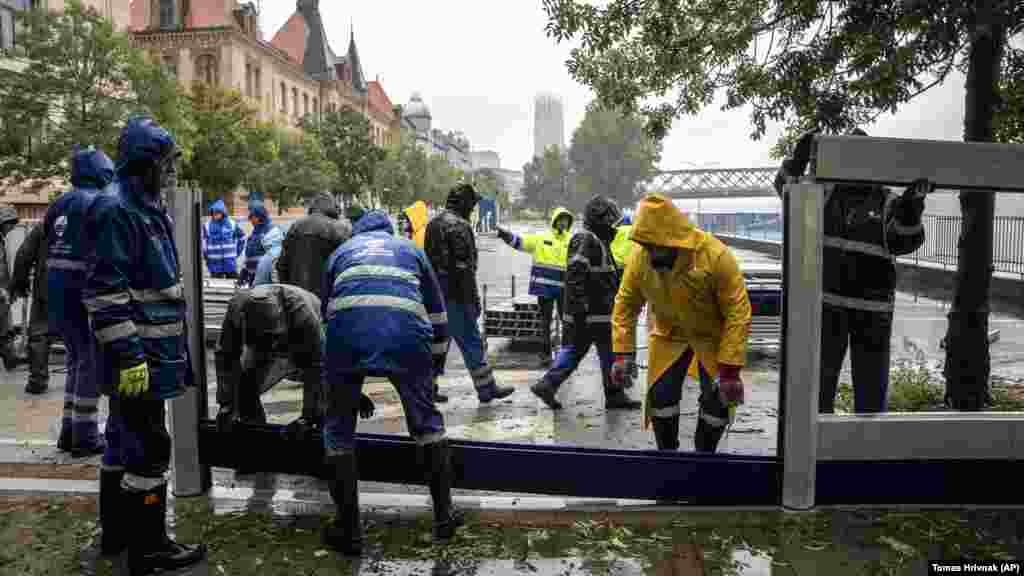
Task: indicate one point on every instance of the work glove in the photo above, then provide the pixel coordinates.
(730, 386)
(133, 381)
(622, 370)
(506, 236)
(913, 200)
(366, 407)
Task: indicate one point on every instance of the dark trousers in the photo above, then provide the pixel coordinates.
(547, 307)
(137, 441)
(867, 336)
(575, 349)
(39, 342)
(81, 387)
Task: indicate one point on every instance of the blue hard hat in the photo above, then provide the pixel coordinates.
(143, 140)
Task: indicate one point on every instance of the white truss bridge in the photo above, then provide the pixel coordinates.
(714, 183)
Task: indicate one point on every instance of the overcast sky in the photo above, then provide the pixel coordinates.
(478, 64)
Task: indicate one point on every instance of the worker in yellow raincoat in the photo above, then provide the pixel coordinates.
(412, 225)
(699, 308)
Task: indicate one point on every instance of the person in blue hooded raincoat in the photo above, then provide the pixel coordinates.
(385, 316)
(137, 311)
(223, 240)
(67, 248)
(261, 222)
(266, 271)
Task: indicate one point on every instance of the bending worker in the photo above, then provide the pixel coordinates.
(591, 283)
(270, 332)
(412, 225)
(386, 318)
(550, 250)
(67, 248)
(701, 313)
(866, 226)
(137, 312)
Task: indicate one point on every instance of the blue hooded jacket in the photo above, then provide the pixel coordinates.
(385, 314)
(222, 241)
(254, 246)
(132, 292)
(68, 242)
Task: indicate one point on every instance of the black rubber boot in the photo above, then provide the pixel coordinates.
(666, 432)
(39, 365)
(149, 549)
(438, 397)
(346, 534)
(712, 418)
(707, 436)
(619, 400)
(546, 392)
(112, 537)
(438, 463)
(494, 392)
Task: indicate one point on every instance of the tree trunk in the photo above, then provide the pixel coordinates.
(967, 356)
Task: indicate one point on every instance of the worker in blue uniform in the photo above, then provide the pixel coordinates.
(223, 240)
(385, 316)
(137, 311)
(261, 222)
(67, 247)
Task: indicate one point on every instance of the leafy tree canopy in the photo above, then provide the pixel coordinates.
(345, 138)
(611, 155)
(299, 169)
(401, 175)
(826, 65)
(75, 81)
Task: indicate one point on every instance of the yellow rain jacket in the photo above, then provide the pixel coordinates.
(417, 215)
(701, 303)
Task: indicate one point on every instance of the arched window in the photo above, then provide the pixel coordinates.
(206, 68)
(284, 99)
(167, 14)
(316, 107)
(295, 101)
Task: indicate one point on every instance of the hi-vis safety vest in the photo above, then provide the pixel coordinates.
(550, 252)
(621, 245)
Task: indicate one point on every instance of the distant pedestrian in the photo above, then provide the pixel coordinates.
(8, 220)
(223, 240)
(310, 241)
(30, 261)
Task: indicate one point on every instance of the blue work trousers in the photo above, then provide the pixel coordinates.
(416, 392)
(81, 387)
(463, 328)
(138, 442)
(576, 348)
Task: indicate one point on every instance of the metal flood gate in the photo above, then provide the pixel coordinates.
(926, 459)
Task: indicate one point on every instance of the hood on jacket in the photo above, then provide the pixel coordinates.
(660, 223)
(560, 212)
(218, 206)
(600, 216)
(91, 168)
(462, 199)
(373, 221)
(8, 215)
(417, 215)
(260, 210)
(272, 241)
(143, 141)
(325, 204)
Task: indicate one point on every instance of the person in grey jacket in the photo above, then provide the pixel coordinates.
(31, 260)
(310, 242)
(8, 220)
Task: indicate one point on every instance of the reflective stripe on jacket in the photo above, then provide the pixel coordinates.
(550, 250)
(132, 291)
(385, 314)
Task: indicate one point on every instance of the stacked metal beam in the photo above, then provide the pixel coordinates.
(517, 319)
(217, 294)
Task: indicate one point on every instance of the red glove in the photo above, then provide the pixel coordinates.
(730, 386)
(622, 371)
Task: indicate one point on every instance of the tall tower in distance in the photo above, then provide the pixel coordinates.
(548, 123)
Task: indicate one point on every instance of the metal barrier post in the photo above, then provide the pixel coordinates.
(513, 286)
(184, 412)
(801, 368)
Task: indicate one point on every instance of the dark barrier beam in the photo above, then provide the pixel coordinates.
(557, 470)
(949, 482)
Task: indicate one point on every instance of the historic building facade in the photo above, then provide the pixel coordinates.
(295, 74)
(453, 146)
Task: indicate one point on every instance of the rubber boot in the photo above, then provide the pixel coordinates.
(39, 365)
(64, 440)
(149, 549)
(111, 538)
(438, 464)
(346, 534)
(619, 400)
(494, 392)
(712, 418)
(546, 392)
(707, 436)
(438, 397)
(666, 432)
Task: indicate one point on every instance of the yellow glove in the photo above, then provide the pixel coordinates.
(134, 381)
